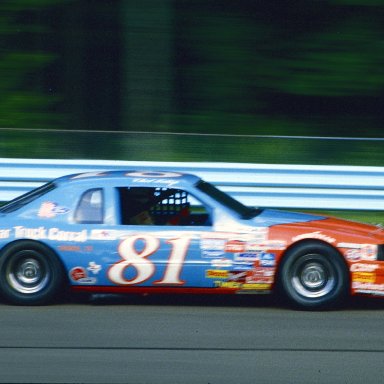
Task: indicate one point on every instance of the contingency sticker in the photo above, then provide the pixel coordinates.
(49, 209)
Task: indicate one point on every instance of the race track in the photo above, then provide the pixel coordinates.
(190, 340)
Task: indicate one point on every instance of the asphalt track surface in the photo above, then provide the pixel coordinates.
(180, 339)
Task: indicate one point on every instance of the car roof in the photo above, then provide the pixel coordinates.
(131, 177)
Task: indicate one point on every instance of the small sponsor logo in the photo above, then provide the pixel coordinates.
(93, 267)
(361, 267)
(55, 234)
(77, 273)
(235, 246)
(364, 277)
(222, 263)
(216, 274)
(49, 209)
(237, 276)
(371, 287)
(80, 275)
(212, 248)
(5, 233)
(356, 252)
(267, 260)
(209, 253)
(102, 234)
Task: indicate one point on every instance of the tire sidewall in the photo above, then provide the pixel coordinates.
(47, 258)
(339, 291)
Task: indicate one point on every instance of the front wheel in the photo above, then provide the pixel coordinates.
(314, 276)
(30, 273)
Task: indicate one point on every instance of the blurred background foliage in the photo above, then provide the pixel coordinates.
(193, 80)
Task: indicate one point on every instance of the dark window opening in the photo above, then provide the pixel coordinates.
(160, 206)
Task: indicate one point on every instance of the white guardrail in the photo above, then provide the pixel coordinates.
(262, 185)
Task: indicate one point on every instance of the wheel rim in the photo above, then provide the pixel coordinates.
(313, 276)
(28, 272)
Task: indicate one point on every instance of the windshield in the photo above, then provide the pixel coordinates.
(27, 198)
(226, 200)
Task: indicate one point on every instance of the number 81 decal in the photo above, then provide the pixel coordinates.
(145, 268)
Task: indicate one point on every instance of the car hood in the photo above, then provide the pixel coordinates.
(349, 227)
(269, 217)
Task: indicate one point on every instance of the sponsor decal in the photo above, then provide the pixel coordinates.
(353, 255)
(42, 233)
(77, 273)
(216, 274)
(356, 252)
(166, 182)
(93, 267)
(364, 277)
(48, 209)
(221, 263)
(256, 286)
(210, 253)
(102, 234)
(267, 260)
(212, 247)
(5, 233)
(254, 276)
(314, 235)
(245, 261)
(248, 258)
(228, 284)
(165, 178)
(80, 275)
(261, 275)
(369, 292)
(262, 259)
(237, 276)
(69, 248)
(360, 267)
(235, 246)
(242, 266)
(243, 286)
(368, 287)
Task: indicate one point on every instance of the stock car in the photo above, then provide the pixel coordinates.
(168, 232)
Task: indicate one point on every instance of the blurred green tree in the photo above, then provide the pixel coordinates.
(278, 67)
(271, 67)
(24, 100)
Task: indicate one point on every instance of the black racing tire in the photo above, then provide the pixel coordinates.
(313, 276)
(30, 273)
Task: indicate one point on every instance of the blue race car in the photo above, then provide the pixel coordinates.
(166, 232)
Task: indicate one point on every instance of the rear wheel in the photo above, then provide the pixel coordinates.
(30, 273)
(314, 276)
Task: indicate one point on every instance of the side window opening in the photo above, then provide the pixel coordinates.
(91, 207)
(160, 206)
